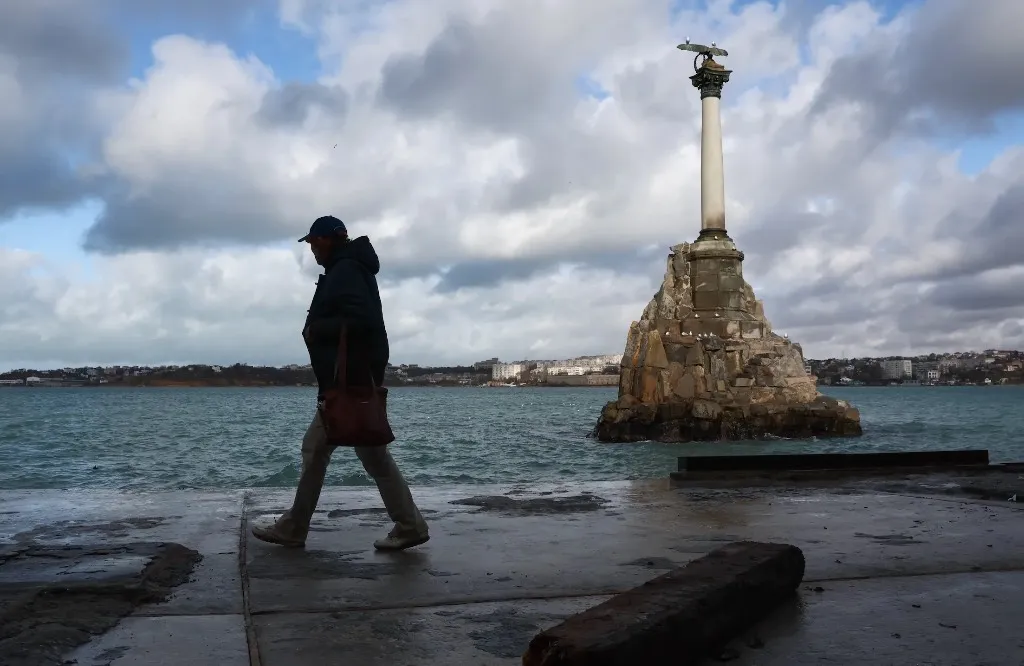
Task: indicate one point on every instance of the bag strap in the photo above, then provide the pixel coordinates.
(341, 361)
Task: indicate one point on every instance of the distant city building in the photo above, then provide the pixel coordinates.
(580, 365)
(565, 369)
(540, 370)
(505, 371)
(487, 365)
(902, 368)
(949, 364)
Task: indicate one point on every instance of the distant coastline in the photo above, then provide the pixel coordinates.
(197, 384)
(218, 385)
(241, 375)
(990, 367)
(914, 386)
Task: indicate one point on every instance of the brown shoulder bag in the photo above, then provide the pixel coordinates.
(354, 415)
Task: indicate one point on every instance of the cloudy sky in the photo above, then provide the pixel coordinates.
(522, 168)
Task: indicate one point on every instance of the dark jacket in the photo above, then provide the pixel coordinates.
(347, 295)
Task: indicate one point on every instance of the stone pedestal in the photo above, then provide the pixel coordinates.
(703, 363)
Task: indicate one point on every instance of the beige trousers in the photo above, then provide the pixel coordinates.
(378, 463)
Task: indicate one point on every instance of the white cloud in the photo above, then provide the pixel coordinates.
(221, 306)
(513, 215)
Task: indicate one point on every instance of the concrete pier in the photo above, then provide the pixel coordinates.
(895, 577)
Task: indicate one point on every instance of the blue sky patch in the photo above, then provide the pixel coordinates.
(56, 234)
(977, 152)
(588, 87)
(292, 55)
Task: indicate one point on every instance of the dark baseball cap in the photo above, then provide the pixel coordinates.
(328, 225)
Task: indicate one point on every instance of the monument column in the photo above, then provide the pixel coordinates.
(709, 79)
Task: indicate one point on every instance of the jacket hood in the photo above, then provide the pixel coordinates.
(359, 250)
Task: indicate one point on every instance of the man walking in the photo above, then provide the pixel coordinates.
(346, 296)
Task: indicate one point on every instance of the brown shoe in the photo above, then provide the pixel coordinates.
(273, 535)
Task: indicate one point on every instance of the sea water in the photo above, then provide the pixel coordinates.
(164, 438)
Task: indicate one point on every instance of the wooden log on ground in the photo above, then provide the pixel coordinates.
(680, 617)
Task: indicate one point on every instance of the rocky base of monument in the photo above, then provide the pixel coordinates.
(629, 420)
(704, 364)
(680, 388)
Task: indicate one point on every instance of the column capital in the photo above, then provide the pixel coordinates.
(710, 78)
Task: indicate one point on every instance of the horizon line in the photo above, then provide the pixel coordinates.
(470, 365)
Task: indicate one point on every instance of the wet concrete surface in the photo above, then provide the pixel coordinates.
(945, 620)
(53, 598)
(478, 634)
(174, 640)
(506, 562)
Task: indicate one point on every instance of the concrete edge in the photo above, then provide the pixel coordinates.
(687, 613)
(834, 461)
(738, 478)
(251, 638)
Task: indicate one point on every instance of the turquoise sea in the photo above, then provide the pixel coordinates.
(231, 438)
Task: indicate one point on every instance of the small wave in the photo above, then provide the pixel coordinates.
(182, 438)
(287, 476)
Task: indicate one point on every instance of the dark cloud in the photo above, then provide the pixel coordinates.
(564, 164)
(800, 15)
(226, 201)
(776, 231)
(487, 273)
(641, 91)
(959, 66)
(35, 178)
(202, 12)
(923, 317)
(59, 39)
(992, 238)
(809, 301)
(58, 49)
(833, 299)
(75, 41)
(466, 72)
(1001, 231)
(816, 313)
(183, 211)
(979, 293)
(292, 103)
(490, 272)
(61, 50)
(1011, 329)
